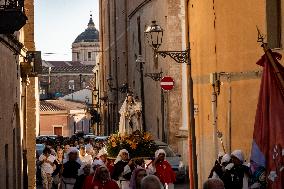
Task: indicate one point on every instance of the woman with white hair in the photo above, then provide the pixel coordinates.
(236, 173)
(70, 169)
(123, 168)
(219, 167)
(162, 169)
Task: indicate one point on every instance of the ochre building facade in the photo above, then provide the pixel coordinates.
(223, 40)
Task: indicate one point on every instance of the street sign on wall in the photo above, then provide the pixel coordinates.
(167, 83)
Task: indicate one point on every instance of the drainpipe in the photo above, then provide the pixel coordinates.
(230, 117)
(229, 112)
(25, 161)
(215, 81)
(126, 39)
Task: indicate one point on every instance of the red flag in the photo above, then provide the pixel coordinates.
(268, 136)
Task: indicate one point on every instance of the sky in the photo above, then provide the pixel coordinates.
(59, 22)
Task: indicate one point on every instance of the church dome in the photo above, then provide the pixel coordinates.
(91, 34)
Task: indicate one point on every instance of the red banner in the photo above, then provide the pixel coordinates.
(268, 136)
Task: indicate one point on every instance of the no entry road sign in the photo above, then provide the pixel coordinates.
(167, 83)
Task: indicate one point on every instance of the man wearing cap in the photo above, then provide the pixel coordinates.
(162, 169)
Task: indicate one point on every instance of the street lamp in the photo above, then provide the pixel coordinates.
(154, 35)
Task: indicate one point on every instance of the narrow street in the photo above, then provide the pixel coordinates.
(115, 94)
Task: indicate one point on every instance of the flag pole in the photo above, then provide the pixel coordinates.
(270, 58)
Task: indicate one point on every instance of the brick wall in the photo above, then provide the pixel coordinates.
(48, 121)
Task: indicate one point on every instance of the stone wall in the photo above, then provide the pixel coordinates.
(60, 82)
(121, 48)
(10, 120)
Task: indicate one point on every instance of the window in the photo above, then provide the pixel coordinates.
(89, 55)
(71, 86)
(42, 91)
(78, 56)
(273, 19)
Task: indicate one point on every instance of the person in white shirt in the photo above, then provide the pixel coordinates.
(84, 157)
(47, 163)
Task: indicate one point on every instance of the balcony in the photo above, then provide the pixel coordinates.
(12, 16)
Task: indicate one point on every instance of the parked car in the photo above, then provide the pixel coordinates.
(39, 149)
(89, 136)
(175, 160)
(47, 137)
(101, 138)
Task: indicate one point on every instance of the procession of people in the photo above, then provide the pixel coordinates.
(78, 168)
(84, 164)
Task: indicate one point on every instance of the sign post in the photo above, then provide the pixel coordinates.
(167, 83)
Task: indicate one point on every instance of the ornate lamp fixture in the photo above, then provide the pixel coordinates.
(12, 16)
(154, 76)
(154, 36)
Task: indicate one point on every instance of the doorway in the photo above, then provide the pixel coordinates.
(57, 131)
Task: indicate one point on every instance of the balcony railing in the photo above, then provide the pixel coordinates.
(12, 16)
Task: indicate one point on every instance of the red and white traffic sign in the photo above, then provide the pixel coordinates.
(167, 83)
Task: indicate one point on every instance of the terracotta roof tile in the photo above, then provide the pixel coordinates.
(60, 105)
(47, 106)
(69, 69)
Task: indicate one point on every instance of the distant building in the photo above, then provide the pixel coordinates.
(60, 78)
(86, 46)
(64, 118)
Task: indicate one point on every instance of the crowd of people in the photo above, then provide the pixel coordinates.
(234, 173)
(84, 164)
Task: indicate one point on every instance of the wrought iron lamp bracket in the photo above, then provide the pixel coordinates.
(154, 76)
(179, 56)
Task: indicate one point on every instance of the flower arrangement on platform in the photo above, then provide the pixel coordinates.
(138, 144)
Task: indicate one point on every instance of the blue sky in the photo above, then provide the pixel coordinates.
(59, 22)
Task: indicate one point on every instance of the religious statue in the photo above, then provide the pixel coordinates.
(130, 115)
